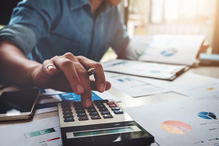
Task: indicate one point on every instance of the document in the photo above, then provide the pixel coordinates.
(173, 49)
(143, 69)
(45, 132)
(185, 122)
(192, 85)
(133, 86)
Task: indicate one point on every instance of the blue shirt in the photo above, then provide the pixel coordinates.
(45, 28)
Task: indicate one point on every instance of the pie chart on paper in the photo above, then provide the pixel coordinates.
(169, 52)
(176, 127)
(207, 115)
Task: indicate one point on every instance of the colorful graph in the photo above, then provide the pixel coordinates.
(41, 132)
(207, 115)
(169, 52)
(176, 127)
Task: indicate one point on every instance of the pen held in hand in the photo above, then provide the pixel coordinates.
(91, 71)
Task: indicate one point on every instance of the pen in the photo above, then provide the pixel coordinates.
(91, 71)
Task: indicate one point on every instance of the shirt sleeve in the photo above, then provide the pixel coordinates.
(31, 20)
(121, 38)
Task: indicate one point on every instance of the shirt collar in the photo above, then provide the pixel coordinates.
(75, 4)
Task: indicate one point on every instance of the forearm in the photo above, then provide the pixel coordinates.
(14, 66)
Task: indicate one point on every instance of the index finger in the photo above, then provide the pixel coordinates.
(99, 73)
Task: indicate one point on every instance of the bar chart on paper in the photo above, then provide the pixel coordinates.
(44, 132)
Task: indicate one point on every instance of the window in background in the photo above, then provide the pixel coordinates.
(192, 17)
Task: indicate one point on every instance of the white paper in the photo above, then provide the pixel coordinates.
(45, 132)
(107, 95)
(137, 68)
(164, 120)
(174, 49)
(133, 86)
(193, 85)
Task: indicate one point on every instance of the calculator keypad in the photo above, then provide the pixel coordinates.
(100, 109)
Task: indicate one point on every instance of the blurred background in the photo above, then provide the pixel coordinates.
(193, 17)
(151, 17)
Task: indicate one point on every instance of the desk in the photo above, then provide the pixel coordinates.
(128, 101)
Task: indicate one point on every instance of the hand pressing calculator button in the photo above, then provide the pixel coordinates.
(104, 123)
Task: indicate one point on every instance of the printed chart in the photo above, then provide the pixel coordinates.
(207, 115)
(133, 86)
(176, 127)
(173, 49)
(181, 122)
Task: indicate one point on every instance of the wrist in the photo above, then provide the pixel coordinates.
(32, 72)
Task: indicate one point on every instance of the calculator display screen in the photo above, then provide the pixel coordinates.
(103, 132)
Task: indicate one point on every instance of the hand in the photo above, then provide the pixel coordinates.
(69, 73)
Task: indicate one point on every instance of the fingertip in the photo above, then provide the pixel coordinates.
(50, 69)
(79, 89)
(108, 85)
(102, 87)
(87, 102)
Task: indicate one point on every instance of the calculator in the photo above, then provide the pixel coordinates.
(105, 123)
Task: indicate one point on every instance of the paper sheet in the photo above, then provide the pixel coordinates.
(193, 85)
(143, 69)
(133, 86)
(45, 132)
(184, 122)
(173, 49)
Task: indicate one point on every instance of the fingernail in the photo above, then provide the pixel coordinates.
(80, 89)
(88, 102)
(102, 87)
(49, 67)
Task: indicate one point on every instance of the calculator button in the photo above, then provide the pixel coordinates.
(82, 118)
(105, 112)
(115, 108)
(101, 106)
(80, 111)
(77, 104)
(81, 114)
(66, 109)
(94, 117)
(103, 109)
(118, 111)
(69, 119)
(107, 116)
(93, 113)
(67, 115)
(67, 112)
(112, 105)
(100, 101)
(79, 108)
(92, 110)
